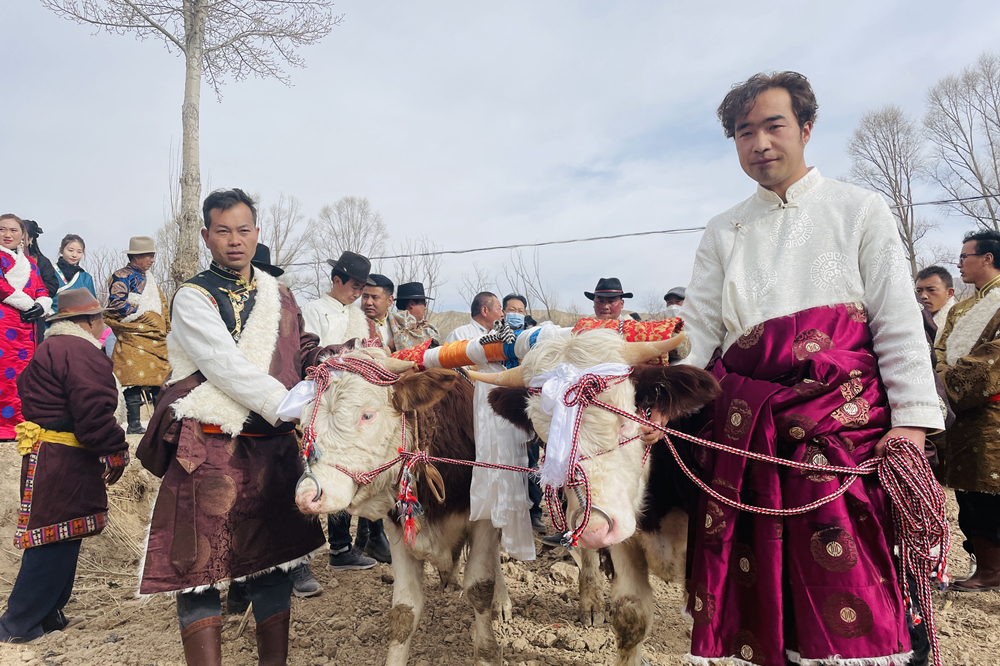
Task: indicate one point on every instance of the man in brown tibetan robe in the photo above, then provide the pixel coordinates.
(72, 446)
(968, 355)
(225, 509)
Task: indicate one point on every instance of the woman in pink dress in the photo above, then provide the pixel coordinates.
(23, 301)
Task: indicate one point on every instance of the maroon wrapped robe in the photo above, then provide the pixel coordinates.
(68, 386)
(818, 586)
(226, 506)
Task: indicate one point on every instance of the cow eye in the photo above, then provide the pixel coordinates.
(368, 416)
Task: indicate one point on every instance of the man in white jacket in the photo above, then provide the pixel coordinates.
(805, 290)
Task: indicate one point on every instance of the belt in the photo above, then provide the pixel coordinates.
(28, 433)
(210, 429)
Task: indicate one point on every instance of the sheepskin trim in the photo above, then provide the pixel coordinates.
(222, 584)
(18, 274)
(148, 301)
(69, 328)
(19, 300)
(900, 659)
(357, 324)
(716, 661)
(64, 327)
(46, 304)
(969, 328)
(145, 545)
(207, 403)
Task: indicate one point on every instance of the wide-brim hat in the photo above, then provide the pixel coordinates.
(354, 266)
(76, 303)
(608, 287)
(412, 291)
(262, 260)
(140, 245)
(677, 292)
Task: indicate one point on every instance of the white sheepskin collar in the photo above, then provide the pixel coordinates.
(207, 403)
(71, 329)
(149, 300)
(18, 274)
(970, 326)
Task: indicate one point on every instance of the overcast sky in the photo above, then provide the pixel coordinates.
(471, 123)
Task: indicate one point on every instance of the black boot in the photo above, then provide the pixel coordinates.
(377, 546)
(133, 405)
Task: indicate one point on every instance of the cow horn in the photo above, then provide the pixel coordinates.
(513, 377)
(637, 353)
(397, 365)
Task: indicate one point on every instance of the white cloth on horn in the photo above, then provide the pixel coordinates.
(554, 383)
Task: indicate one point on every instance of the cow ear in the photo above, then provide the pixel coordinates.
(673, 390)
(511, 403)
(419, 390)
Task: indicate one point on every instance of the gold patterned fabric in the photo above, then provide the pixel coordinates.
(970, 449)
(140, 353)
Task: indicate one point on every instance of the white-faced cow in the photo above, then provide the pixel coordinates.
(358, 427)
(640, 519)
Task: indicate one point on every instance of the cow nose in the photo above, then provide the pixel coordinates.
(309, 494)
(600, 531)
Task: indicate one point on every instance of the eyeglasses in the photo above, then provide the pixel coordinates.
(962, 257)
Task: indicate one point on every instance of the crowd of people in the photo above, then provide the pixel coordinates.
(801, 304)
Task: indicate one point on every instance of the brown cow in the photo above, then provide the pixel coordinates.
(643, 523)
(358, 427)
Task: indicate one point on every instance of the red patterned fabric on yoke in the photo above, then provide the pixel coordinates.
(415, 354)
(635, 331)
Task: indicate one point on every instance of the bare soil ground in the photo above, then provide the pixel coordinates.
(347, 623)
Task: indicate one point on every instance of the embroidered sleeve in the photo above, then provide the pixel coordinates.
(974, 379)
(896, 323)
(119, 288)
(702, 309)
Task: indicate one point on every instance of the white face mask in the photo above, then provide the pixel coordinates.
(515, 319)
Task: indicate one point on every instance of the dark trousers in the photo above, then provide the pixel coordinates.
(338, 526)
(534, 490)
(134, 397)
(978, 516)
(42, 588)
(270, 593)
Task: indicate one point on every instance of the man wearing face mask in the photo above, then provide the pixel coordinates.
(497, 442)
(514, 311)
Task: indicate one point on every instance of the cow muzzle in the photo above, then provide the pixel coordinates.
(308, 493)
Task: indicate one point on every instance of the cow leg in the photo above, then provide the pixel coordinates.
(631, 608)
(407, 599)
(591, 609)
(502, 605)
(481, 571)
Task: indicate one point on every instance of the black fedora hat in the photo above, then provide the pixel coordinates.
(382, 281)
(609, 288)
(412, 291)
(262, 260)
(353, 265)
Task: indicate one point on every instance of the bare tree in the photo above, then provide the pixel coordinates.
(963, 124)
(218, 39)
(477, 281)
(101, 263)
(526, 278)
(281, 230)
(887, 156)
(654, 305)
(349, 224)
(419, 261)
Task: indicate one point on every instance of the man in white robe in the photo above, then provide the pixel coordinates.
(497, 495)
(801, 246)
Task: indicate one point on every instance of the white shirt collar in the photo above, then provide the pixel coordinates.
(794, 191)
(333, 303)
